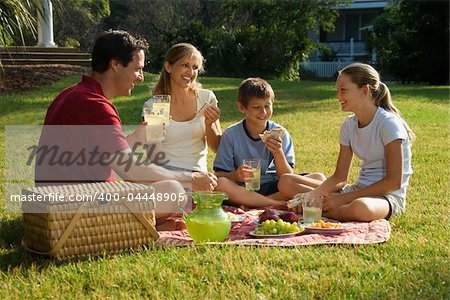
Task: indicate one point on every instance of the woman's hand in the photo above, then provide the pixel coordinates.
(244, 174)
(202, 181)
(212, 114)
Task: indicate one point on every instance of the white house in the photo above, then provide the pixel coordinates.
(347, 41)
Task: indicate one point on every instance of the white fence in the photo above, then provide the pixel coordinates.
(324, 69)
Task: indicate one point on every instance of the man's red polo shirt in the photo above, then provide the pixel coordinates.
(98, 129)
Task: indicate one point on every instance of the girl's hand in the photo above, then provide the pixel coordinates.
(334, 201)
(244, 174)
(211, 114)
(274, 144)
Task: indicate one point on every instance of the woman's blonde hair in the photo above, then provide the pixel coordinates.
(363, 74)
(175, 53)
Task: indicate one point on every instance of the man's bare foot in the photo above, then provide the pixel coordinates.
(169, 224)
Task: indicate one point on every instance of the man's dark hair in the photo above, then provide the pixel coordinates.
(115, 44)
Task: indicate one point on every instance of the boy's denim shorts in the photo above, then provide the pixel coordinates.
(396, 203)
(267, 188)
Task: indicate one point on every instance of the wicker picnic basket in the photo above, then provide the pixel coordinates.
(65, 229)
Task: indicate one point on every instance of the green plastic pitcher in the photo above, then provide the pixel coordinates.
(208, 222)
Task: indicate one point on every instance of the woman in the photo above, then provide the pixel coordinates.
(380, 138)
(194, 123)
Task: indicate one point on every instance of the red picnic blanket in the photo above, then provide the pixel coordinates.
(377, 231)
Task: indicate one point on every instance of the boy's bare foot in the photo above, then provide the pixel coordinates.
(169, 224)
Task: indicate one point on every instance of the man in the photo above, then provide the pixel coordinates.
(91, 144)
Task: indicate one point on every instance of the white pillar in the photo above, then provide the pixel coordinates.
(374, 54)
(45, 25)
(352, 49)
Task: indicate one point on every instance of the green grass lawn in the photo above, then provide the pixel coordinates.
(413, 264)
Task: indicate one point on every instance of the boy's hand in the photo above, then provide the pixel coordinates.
(244, 174)
(211, 114)
(274, 144)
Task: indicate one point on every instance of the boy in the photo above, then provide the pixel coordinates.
(242, 141)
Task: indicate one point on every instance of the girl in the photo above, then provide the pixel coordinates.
(194, 115)
(380, 138)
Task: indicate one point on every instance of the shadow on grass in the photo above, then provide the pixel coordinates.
(16, 256)
(438, 94)
(15, 107)
(11, 232)
(34, 99)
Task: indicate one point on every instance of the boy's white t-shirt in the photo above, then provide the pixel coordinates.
(184, 143)
(368, 145)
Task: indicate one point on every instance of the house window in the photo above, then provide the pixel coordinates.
(352, 26)
(348, 26)
(367, 19)
(337, 35)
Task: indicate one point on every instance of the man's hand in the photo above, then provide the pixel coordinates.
(202, 181)
(138, 135)
(151, 129)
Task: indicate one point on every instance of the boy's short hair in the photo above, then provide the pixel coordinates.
(254, 88)
(115, 44)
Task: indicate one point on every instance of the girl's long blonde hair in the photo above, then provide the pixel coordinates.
(175, 53)
(363, 74)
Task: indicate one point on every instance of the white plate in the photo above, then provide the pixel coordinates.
(304, 224)
(282, 235)
(326, 230)
(235, 218)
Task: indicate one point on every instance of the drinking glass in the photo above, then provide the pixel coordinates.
(156, 113)
(312, 209)
(255, 183)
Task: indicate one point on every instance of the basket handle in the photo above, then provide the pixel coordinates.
(64, 236)
(74, 221)
(147, 225)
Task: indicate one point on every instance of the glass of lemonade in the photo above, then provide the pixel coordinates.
(156, 113)
(312, 209)
(255, 183)
(161, 104)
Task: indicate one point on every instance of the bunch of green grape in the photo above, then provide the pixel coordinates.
(270, 227)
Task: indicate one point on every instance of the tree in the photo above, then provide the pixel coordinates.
(412, 41)
(271, 36)
(237, 37)
(78, 22)
(16, 16)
